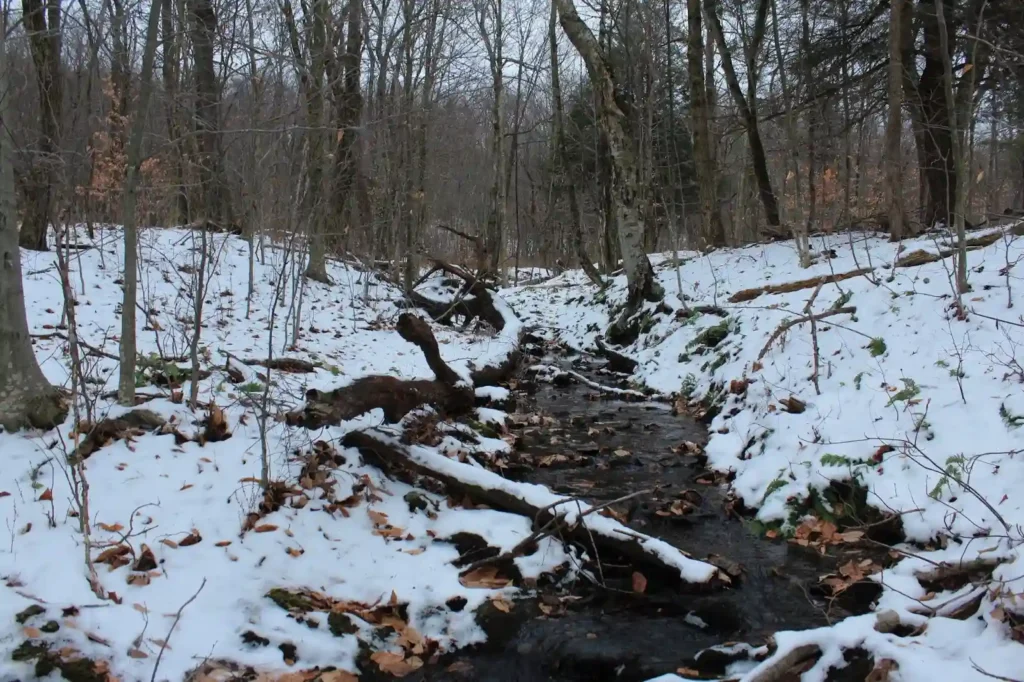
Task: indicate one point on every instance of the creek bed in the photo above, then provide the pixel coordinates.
(604, 450)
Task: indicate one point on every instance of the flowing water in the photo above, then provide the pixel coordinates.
(610, 449)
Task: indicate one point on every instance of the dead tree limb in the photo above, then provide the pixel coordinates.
(751, 294)
(481, 486)
(396, 397)
(617, 362)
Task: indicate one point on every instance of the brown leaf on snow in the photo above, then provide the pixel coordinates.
(639, 582)
(882, 670)
(47, 496)
(170, 543)
(111, 527)
(501, 604)
(114, 556)
(378, 518)
(31, 632)
(137, 653)
(265, 528)
(138, 579)
(396, 664)
(485, 576)
(193, 539)
(293, 552)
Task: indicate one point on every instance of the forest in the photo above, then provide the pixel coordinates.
(511, 340)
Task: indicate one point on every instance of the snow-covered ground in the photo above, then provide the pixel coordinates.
(922, 409)
(188, 504)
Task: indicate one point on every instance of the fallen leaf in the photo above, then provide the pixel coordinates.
(137, 653)
(138, 579)
(378, 518)
(485, 576)
(47, 496)
(223, 543)
(265, 528)
(160, 643)
(193, 539)
(396, 664)
(293, 552)
(4, 493)
(639, 582)
(415, 550)
(185, 487)
(140, 608)
(170, 543)
(338, 676)
(111, 527)
(501, 604)
(31, 632)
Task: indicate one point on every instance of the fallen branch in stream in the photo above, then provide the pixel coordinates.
(554, 526)
(383, 449)
(553, 373)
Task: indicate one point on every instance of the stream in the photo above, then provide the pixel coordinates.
(600, 449)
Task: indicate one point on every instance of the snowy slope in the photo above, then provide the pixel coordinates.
(921, 408)
(152, 492)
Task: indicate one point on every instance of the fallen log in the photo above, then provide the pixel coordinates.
(396, 397)
(788, 666)
(535, 502)
(751, 294)
(290, 365)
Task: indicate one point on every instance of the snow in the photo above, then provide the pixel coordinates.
(942, 395)
(158, 493)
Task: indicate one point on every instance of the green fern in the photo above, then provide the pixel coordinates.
(909, 391)
(877, 347)
(1011, 420)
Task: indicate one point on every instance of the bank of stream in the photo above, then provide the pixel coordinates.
(581, 444)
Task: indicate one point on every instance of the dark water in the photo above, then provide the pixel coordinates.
(606, 632)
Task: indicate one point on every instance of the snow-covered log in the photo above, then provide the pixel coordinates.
(384, 449)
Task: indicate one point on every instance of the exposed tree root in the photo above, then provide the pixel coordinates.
(617, 362)
(751, 294)
(484, 487)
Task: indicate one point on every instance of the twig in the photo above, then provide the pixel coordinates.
(988, 674)
(786, 326)
(170, 632)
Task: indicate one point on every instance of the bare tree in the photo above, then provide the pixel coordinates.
(712, 230)
(42, 20)
(624, 173)
(894, 123)
(26, 397)
(126, 379)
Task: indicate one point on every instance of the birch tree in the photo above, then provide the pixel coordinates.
(624, 172)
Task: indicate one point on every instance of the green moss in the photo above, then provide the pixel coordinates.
(340, 625)
(712, 336)
(31, 611)
(290, 601)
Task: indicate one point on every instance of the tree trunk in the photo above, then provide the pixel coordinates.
(712, 231)
(215, 195)
(494, 42)
(562, 155)
(170, 72)
(126, 379)
(894, 124)
(748, 110)
(26, 397)
(639, 274)
(42, 25)
(350, 111)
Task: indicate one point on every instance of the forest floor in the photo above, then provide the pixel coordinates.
(842, 498)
